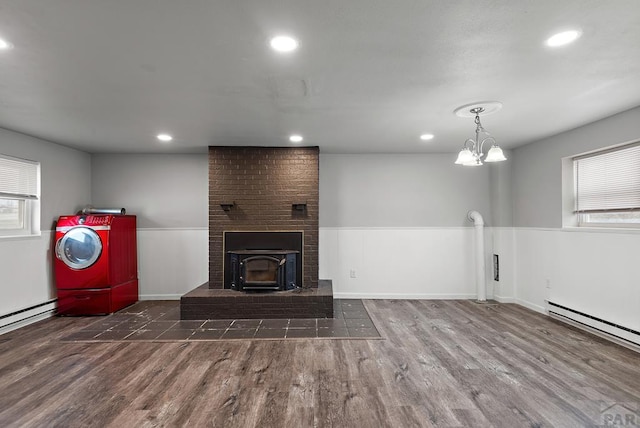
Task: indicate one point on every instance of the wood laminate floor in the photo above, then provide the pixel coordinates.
(441, 364)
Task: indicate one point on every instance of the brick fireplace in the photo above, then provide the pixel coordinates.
(262, 191)
(270, 189)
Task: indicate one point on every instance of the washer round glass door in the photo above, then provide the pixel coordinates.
(79, 248)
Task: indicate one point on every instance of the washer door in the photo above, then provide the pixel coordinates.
(79, 248)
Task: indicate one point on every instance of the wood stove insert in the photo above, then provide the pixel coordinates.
(263, 270)
(263, 260)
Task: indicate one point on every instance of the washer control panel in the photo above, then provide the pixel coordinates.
(87, 220)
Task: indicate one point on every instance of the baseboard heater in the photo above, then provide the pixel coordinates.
(26, 316)
(617, 333)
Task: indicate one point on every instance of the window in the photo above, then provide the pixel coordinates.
(19, 197)
(607, 187)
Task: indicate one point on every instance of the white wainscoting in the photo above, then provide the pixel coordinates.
(401, 263)
(26, 280)
(27, 274)
(172, 262)
(432, 263)
(591, 271)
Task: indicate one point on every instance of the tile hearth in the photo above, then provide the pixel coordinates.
(211, 303)
(160, 321)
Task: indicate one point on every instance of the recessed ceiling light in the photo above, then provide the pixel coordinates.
(427, 137)
(165, 137)
(296, 138)
(4, 45)
(284, 44)
(564, 38)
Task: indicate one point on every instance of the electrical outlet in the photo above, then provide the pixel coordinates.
(548, 281)
(352, 273)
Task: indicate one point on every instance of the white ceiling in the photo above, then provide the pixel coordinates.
(370, 76)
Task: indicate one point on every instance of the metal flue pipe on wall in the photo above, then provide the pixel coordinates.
(481, 285)
(91, 210)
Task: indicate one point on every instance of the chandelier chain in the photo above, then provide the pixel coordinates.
(477, 111)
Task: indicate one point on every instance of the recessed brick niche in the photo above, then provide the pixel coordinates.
(263, 189)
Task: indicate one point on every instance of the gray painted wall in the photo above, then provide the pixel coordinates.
(500, 191)
(26, 262)
(170, 191)
(537, 167)
(164, 191)
(65, 174)
(388, 190)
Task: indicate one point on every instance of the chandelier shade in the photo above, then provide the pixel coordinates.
(465, 156)
(495, 155)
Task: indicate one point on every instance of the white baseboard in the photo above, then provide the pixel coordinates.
(502, 299)
(29, 316)
(395, 296)
(337, 295)
(532, 306)
(159, 296)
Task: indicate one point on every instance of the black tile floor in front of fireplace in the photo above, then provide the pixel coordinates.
(160, 321)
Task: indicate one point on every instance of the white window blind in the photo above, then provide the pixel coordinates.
(608, 181)
(18, 178)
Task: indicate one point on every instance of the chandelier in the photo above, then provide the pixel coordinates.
(471, 153)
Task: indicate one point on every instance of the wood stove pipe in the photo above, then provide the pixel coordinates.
(481, 285)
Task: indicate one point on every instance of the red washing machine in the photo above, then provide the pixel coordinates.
(95, 263)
